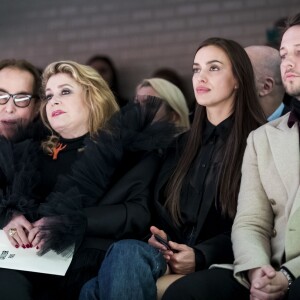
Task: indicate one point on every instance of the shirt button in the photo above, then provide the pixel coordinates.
(203, 165)
(272, 201)
(274, 233)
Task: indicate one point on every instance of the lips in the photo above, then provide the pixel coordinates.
(57, 113)
(290, 75)
(202, 89)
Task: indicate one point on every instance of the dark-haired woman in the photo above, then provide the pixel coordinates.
(196, 190)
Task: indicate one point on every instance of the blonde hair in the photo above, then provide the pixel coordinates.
(173, 97)
(98, 97)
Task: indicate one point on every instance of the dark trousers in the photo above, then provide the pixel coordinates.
(20, 285)
(212, 284)
(17, 285)
(216, 284)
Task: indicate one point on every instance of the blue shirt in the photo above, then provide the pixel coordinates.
(277, 113)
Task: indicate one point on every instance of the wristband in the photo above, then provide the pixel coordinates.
(288, 276)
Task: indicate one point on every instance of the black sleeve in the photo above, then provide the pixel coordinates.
(18, 163)
(125, 209)
(215, 250)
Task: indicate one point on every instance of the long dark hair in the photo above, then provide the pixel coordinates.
(247, 116)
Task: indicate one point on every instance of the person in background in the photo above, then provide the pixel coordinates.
(106, 68)
(173, 98)
(196, 190)
(266, 64)
(273, 35)
(173, 77)
(19, 95)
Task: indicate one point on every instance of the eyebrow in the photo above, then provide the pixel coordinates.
(21, 92)
(296, 45)
(210, 62)
(61, 86)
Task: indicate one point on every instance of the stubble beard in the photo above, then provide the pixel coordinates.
(293, 89)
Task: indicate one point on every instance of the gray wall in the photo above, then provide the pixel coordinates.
(139, 35)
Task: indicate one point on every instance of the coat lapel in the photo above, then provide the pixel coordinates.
(284, 145)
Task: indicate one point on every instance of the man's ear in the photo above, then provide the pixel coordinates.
(268, 86)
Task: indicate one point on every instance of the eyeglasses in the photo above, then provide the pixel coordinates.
(20, 100)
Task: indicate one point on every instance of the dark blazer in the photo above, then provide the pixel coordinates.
(124, 211)
(212, 231)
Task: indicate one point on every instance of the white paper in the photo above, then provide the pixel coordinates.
(28, 260)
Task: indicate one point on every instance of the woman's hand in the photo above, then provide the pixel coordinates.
(267, 284)
(156, 244)
(153, 242)
(22, 226)
(35, 236)
(184, 261)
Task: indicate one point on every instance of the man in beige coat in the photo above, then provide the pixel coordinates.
(266, 231)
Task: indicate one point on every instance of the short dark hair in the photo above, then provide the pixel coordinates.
(24, 65)
(292, 21)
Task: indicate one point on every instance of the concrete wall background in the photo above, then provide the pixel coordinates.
(139, 35)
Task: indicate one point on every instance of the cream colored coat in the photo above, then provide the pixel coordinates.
(267, 224)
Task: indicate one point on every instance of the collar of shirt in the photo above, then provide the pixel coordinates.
(277, 113)
(295, 113)
(222, 130)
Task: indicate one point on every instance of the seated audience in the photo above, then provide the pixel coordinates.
(196, 190)
(85, 187)
(265, 234)
(77, 104)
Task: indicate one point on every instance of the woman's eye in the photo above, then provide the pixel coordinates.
(196, 70)
(214, 68)
(65, 92)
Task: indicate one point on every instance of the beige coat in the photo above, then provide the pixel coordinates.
(267, 225)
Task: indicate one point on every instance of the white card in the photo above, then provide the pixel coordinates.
(28, 260)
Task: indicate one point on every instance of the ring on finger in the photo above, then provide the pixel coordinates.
(12, 231)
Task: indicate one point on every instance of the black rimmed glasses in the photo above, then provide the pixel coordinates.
(20, 100)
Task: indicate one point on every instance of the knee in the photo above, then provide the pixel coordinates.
(176, 291)
(130, 248)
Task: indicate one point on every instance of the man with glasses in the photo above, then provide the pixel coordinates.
(19, 101)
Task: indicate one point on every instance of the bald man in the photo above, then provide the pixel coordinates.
(266, 64)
